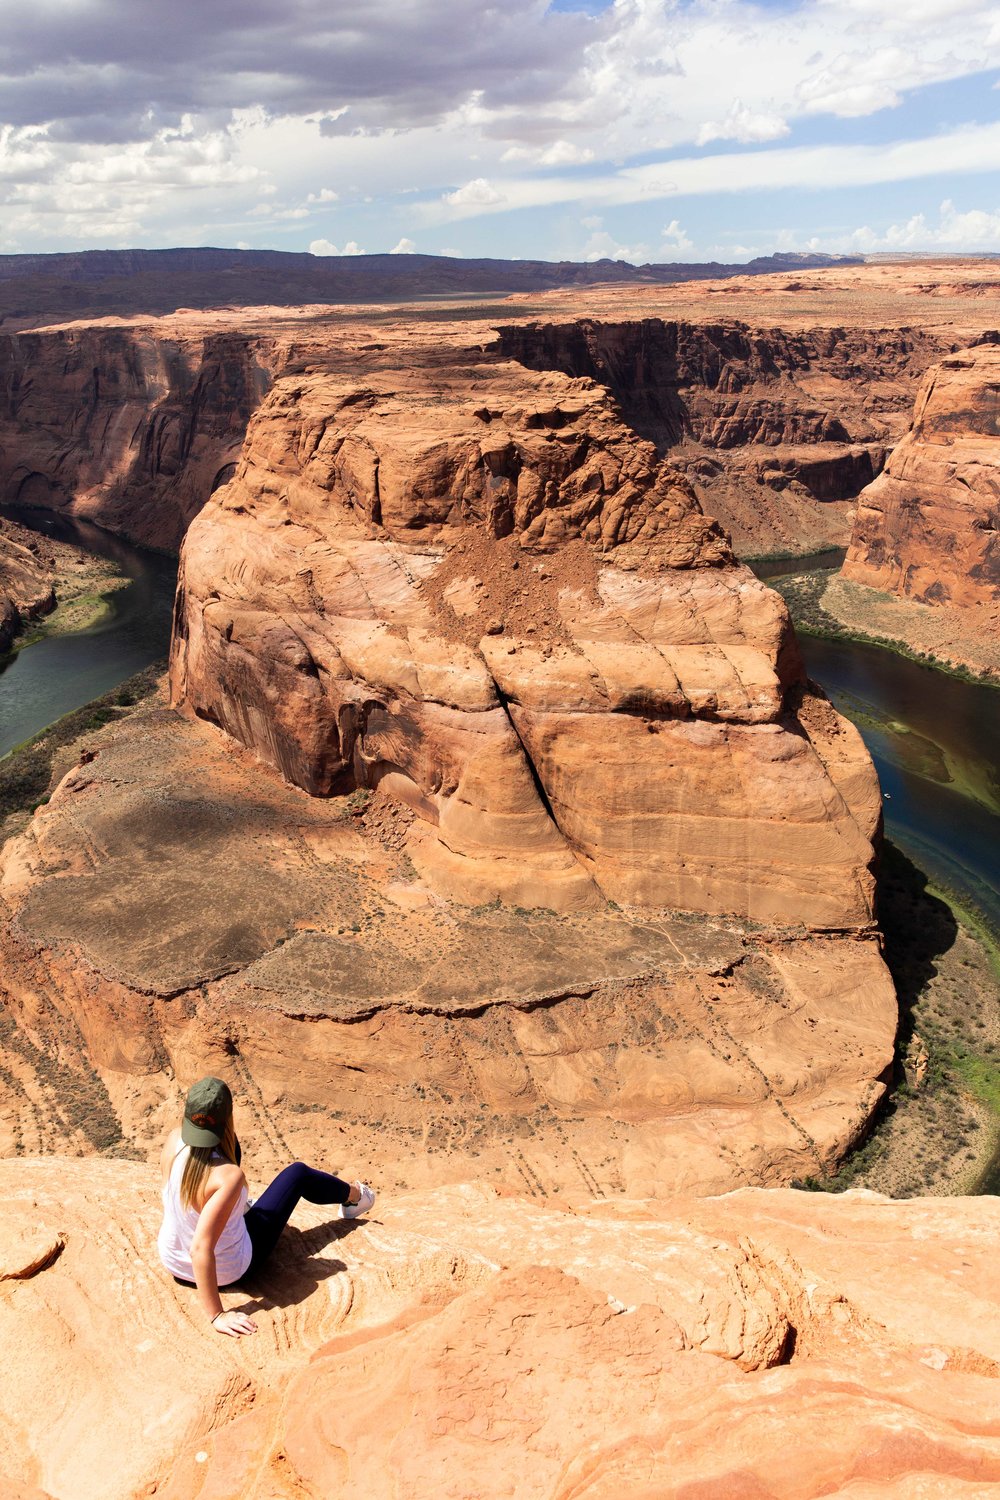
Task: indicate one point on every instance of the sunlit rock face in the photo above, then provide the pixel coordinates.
(463, 1343)
(927, 527)
(472, 586)
(27, 571)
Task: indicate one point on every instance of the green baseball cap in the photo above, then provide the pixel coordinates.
(207, 1108)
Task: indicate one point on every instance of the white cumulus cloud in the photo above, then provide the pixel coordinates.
(675, 240)
(743, 124)
(475, 194)
(973, 229)
(326, 247)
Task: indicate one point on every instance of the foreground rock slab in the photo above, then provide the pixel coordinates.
(468, 1344)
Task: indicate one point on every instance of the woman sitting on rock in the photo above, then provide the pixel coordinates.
(210, 1237)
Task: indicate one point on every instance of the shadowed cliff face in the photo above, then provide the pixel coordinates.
(928, 527)
(470, 585)
(128, 429)
(765, 421)
(134, 427)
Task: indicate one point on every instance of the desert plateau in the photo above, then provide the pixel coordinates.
(482, 817)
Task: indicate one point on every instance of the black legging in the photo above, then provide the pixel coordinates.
(269, 1215)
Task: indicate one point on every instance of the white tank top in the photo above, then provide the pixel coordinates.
(233, 1249)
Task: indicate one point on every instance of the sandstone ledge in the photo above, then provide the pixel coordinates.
(469, 1344)
(176, 908)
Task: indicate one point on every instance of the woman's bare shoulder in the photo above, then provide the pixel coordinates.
(225, 1178)
(226, 1172)
(171, 1146)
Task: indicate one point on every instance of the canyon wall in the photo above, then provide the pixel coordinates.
(127, 427)
(488, 674)
(927, 528)
(27, 573)
(133, 426)
(526, 839)
(773, 425)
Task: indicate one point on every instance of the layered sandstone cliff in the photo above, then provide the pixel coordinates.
(473, 587)
(129, 427)
(463, 1344)
(777, 427)
(132, 425)
(927, 528)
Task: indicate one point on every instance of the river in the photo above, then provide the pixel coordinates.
(62, 672)
(935, 741)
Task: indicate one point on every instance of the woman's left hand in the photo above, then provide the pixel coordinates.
(234, 1323)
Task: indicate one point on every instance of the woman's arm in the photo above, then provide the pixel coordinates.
(226, 1184)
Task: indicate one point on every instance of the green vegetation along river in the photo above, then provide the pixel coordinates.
(59, 673)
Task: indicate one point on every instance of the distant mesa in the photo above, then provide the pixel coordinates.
(88, 283)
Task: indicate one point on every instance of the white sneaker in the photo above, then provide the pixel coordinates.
(366, 1201)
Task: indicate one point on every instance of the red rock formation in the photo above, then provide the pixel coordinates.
(927, 528)
(766, 421)
(127, 427)
(472, 586)
(461, 1344)
(132, 426)
(176, 909)
(26, 580)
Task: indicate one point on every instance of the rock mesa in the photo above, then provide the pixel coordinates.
(473, 587)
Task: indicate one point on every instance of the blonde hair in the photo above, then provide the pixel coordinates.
(200, 1162)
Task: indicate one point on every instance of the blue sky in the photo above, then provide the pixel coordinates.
(639, 129)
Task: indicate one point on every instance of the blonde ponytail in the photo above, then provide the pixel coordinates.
(200, 1161)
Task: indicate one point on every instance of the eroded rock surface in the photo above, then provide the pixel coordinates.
(778, 428)
(176, 909)
(465, 1343)
(471, 586)
(927, 528)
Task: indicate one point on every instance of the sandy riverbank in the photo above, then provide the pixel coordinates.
(965, 640)
(57, 588)
(940, 1130)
